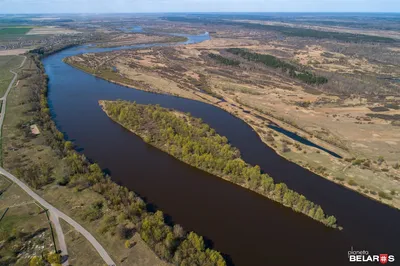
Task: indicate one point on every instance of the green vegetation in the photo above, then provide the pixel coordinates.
(224, 60)
(6, 64)
(384, 195)
(194, 142)
(272, 61)
(53, 259)
(395, 117)
(24, 227)
(116, 205)
(14, 30)
(378, 109)
(175, 39)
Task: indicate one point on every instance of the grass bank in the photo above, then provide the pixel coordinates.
(368, 179)
(117, 217)
(195, 143)
(6, 64)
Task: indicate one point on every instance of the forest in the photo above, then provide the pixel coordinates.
(170, 243)
(224, 60)
(272, 61)
(194, 142)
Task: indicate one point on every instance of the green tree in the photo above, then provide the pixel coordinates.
(319, 214)
(54, 258)
(68, 145)
(36, 261)
(197, 241)
(331, 221)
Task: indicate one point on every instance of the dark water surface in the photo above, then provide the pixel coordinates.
(300, 139)
(250, 229)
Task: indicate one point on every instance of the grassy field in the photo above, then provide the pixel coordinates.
(14, 137)
(76, 204)
(80, 251)
(21, 150)
(24, 229)
(14, 30)
(7, 63)
(369, 145)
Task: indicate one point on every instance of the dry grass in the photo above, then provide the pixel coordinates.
(20, 151)
(50, 30)
(80, 251)
(382, 33)
(23, 217)
(75, 203)
(13, 52)
(6, 64)
(251, 91)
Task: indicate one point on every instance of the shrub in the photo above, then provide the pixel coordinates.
(352, 182)
(384, 195)
(285, 148)
(270, 138)
(54, 258)
(36, 261)
(122, 231)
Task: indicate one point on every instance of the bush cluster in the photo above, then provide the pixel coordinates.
(194, 142)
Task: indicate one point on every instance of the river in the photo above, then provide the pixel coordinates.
(246, 227)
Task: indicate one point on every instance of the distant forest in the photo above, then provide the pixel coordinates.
(224, 60)
(288, 31)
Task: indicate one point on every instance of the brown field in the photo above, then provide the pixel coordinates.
(138, 38)
(52, 30)
(335, 115)
(13, 52)
(383, 33)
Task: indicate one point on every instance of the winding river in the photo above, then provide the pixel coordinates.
(246, 227)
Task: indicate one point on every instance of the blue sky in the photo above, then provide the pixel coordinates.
(126, 6)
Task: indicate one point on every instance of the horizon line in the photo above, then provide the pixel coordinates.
(214, 12)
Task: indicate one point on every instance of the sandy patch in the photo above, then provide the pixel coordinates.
(35, 130)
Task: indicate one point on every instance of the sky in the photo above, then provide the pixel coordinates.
(139, 6)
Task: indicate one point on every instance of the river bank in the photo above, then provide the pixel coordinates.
(206, 154)
(336, 170)
(85, 181)
(204, 202)
(138, 39)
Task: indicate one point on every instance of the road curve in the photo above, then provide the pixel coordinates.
(55, 214)
(58, 214)
(4, 98)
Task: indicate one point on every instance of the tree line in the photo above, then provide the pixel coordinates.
(170, 243)
(286, 30)
(272, 61)
(194, 142)
(224, 60)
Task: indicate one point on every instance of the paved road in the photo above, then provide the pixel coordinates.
(55, 214)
